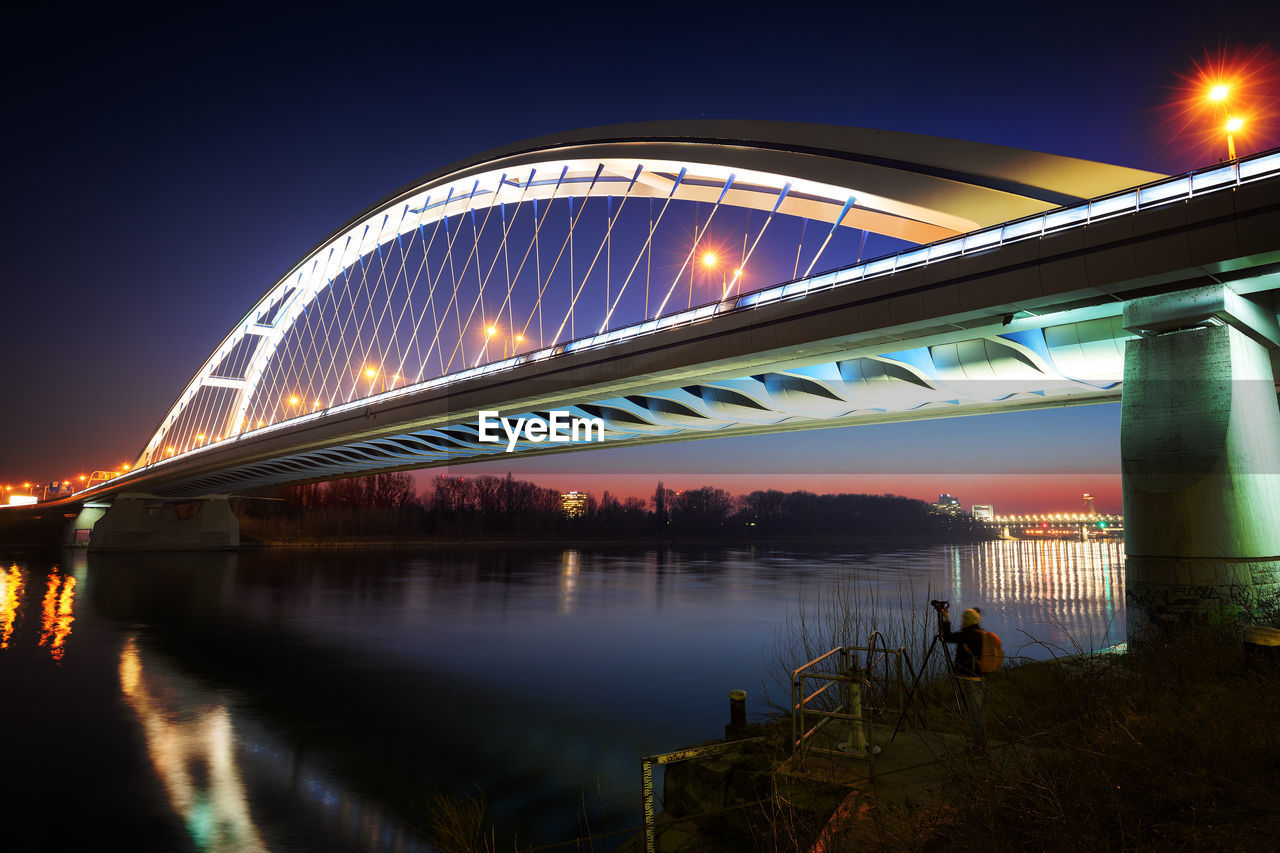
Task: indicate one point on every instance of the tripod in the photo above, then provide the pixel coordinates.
(914, 691)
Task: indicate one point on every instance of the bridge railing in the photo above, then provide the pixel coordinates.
(1165, 191)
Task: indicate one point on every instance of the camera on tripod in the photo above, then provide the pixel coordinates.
(940, 605)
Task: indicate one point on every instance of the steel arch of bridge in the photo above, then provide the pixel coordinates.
(914, 188)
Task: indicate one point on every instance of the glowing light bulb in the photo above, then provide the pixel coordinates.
(1234, 124)
(709, 260)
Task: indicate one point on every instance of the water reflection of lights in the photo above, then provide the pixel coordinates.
(193, 756)
(198, 752)
(1078, 583)
(11, 583)
(569, 565)
(59, 603)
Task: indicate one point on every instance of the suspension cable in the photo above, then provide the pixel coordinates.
(648, 243)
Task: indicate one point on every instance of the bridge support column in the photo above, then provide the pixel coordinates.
(1200, 448)
(136, 522)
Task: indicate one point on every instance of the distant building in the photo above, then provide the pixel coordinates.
(949, 504)
(984, 511)
(573, 504)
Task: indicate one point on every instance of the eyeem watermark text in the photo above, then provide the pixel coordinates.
(558, 428)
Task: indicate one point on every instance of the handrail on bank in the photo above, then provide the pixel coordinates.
(857, 687)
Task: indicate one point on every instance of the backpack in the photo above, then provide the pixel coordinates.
(992, 657)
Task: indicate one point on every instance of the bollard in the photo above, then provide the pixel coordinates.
(737, 724)
(1262, 648)
(857, 743)
(857, 734)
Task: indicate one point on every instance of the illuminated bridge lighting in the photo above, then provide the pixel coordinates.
(406, 291)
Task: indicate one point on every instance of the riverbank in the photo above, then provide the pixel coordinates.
(560, 540)
(1173, 745)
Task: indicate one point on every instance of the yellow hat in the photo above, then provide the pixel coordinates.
(970, 618)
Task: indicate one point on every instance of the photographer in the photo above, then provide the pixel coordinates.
(966, 668)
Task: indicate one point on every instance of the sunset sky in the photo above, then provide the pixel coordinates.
(163, 171)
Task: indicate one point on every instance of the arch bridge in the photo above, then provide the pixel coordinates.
(681, 280)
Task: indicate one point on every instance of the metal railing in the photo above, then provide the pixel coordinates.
(860, 694)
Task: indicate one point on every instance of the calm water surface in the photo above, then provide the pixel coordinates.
(311, 700)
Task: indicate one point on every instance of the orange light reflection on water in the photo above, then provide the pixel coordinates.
(11, 583)
(59, 604)
(1072, 585)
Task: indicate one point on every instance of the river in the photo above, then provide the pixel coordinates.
(320, 699)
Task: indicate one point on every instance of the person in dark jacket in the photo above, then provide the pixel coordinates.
(968, 674)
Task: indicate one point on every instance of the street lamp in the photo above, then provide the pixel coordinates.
(510, 343)
(375, 373)
(710, 261)
(1218, 94)
(1233, 124)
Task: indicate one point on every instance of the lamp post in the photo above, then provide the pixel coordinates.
(710, 261)
(509, 342)
(1233, 123)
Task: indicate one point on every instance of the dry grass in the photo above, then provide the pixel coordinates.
(1174, 745)
(457, 824)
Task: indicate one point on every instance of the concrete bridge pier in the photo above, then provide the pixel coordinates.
(140, 522)
(1200, 448)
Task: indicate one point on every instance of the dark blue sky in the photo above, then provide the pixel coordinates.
(161, 171)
